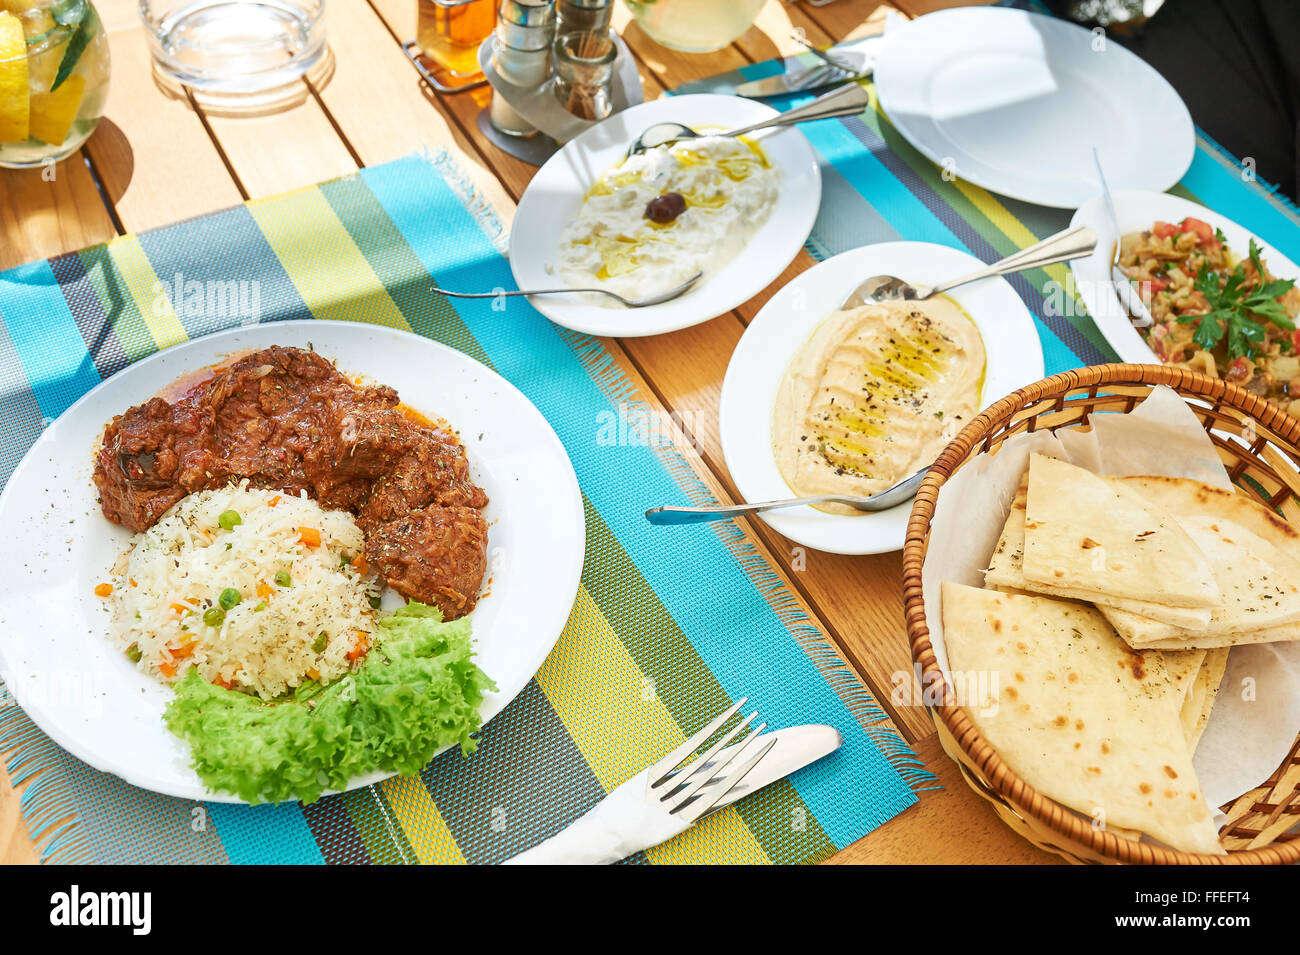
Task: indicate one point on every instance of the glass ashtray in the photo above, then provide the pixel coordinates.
(239, 54)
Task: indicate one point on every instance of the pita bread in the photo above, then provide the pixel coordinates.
(1091, 535)
(1259, 586)
(1183, 496)
(1247, 522)
(1183, 667)
(1284, 634)
(1200, 700)
(1005, 573)
(1083, 718)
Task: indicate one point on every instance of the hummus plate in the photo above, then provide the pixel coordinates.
(790, 319)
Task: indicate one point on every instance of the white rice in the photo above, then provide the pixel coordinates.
(175, 573)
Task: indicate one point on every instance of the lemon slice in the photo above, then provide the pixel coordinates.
(53, 113)
(13, 80)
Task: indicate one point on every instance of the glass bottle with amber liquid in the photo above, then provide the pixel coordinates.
(449, 32)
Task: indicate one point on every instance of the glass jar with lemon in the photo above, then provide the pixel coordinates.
(695, 26)
(54, 70)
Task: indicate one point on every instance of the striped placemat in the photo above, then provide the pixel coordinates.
(663, 634)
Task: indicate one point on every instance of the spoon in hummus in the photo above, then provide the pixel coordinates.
(849, 100)
(904, 490)
(1071, 244)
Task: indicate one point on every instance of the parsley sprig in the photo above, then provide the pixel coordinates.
(1235, 310)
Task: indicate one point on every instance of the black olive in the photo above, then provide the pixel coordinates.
(664, 209)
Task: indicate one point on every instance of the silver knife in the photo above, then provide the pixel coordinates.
(855, 60)
(628, 820)
(795, 748)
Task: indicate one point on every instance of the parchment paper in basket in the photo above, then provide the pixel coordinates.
(1257, 714)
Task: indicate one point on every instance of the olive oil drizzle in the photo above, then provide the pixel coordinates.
(850, 428)
(619, 254)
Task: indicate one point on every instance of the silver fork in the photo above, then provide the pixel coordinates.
(849, 68)
(672, 794)
(678, 786)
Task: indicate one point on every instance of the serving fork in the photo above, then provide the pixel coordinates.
(1129, 300)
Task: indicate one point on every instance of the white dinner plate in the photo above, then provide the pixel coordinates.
(555, 195)
(1137, 211)
(55, 654)
(788, 320)
(1015, 102)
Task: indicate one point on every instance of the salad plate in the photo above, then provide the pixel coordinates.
(1136, 211)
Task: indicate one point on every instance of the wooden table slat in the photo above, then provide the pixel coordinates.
(146, 139)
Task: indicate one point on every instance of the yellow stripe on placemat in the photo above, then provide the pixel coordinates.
(1011, 227)
(721, 838)
(328, 270)
(420, 819)
(148, 293)
(623, 726)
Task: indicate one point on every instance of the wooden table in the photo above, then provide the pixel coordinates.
(155, 160)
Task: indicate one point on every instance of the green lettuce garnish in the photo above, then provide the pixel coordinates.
(417, 691)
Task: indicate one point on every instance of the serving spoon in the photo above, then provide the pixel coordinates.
(904, 490)
(848, 100)
(658, 299)
(1071, 244)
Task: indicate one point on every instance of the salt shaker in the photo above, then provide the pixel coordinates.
(522, 57)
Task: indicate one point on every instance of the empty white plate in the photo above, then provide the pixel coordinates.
(1015, 102)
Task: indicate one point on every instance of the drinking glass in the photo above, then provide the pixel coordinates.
(695, 26)
(54, 69)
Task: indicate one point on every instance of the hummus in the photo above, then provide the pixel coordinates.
(729, 190)
(874, 396)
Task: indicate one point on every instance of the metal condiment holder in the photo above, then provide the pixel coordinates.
(416, 56)
(539, 105)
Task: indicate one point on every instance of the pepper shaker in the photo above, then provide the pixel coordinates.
(585, 16)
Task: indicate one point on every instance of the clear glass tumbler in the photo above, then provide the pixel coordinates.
(54, 69)
(695, 26)
(236, 48)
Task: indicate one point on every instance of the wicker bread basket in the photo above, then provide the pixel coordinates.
(1260, 446)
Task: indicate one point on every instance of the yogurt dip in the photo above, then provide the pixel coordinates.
(729, 190)
(874, 396)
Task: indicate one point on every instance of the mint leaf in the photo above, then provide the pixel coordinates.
(77, 43)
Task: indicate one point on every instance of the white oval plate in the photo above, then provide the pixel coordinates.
(55, 655)
(788, 320)
(1137, 211)
(1015, 101)
(555, 194)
